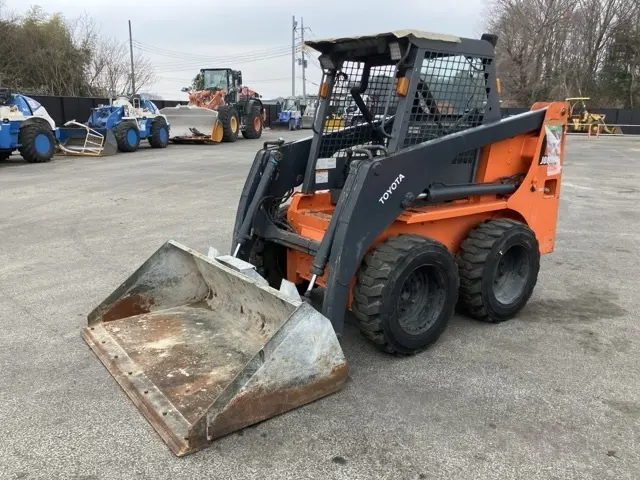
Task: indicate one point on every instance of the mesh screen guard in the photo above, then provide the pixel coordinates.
(448, 93)
(451, 95)
(379, 97)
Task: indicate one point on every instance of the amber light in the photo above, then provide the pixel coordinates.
(403, 86)
(324, 90)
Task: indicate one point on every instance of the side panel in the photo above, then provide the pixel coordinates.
(539, 204)
(9, 135)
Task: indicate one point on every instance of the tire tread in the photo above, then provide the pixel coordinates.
(371, 280)
(472, 258)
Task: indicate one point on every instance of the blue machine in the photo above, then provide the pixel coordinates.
(290, 114)
(131, 122)
(26, 126)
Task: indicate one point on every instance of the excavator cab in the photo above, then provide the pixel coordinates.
(431, 201)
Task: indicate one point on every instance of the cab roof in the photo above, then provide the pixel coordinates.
(329, 44)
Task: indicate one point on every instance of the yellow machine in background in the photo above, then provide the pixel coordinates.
(335, 121)
(581, 120)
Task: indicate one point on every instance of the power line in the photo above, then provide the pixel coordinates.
(192, 56)
(180, 54)
(259, 80)
(207, 60)
(314, 62)
(206, 63)
(310, 81)
(177, 67)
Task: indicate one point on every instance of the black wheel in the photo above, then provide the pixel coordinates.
(4, 156)
(270, 259)
(159, 137)
(127, 136)
(253, 124)
(405, 293)
(499, 263)
(228, 116)
(37, 143)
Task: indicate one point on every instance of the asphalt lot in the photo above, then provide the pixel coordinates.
(554, 393)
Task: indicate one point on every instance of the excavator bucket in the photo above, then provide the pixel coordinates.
(191, 123)
(204, 346)
(78, 139)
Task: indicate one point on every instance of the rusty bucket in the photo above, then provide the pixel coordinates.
(204, 346)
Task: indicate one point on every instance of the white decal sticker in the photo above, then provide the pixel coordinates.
(322, 176)
(385, 196)
(326, 163)
(551, 157)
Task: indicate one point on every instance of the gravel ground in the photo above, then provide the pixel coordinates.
(554, 393)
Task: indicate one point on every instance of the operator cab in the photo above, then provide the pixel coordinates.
(221, 79)
(387, 92)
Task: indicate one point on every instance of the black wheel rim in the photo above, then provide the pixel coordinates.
(512, 271)
(421, 299)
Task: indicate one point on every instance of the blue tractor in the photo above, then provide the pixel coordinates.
(131, 121)
(26, 126)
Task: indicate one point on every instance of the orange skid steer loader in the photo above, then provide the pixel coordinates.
(397, 219)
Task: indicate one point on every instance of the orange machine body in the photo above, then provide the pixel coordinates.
(535, 202)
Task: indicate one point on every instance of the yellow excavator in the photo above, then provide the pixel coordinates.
(581, 120)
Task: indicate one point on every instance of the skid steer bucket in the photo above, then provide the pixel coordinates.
(204, 346)
(190, 123)
(78, 139)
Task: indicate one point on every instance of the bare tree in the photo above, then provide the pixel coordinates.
(554, 48)
(110, 69)
(51, 55)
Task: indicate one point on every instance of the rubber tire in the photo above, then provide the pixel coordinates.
(27, 139)
(250, 132)
(155, 139)
(378, 283)
(225, 113)
(4, 156)
(120, 132)
(270, 259)
(478, 260)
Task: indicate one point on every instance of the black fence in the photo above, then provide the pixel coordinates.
(628, 117)
(63, 109)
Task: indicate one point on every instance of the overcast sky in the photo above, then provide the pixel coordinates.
(207, 29)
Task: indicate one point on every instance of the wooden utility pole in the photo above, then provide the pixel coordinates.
(133, 72)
